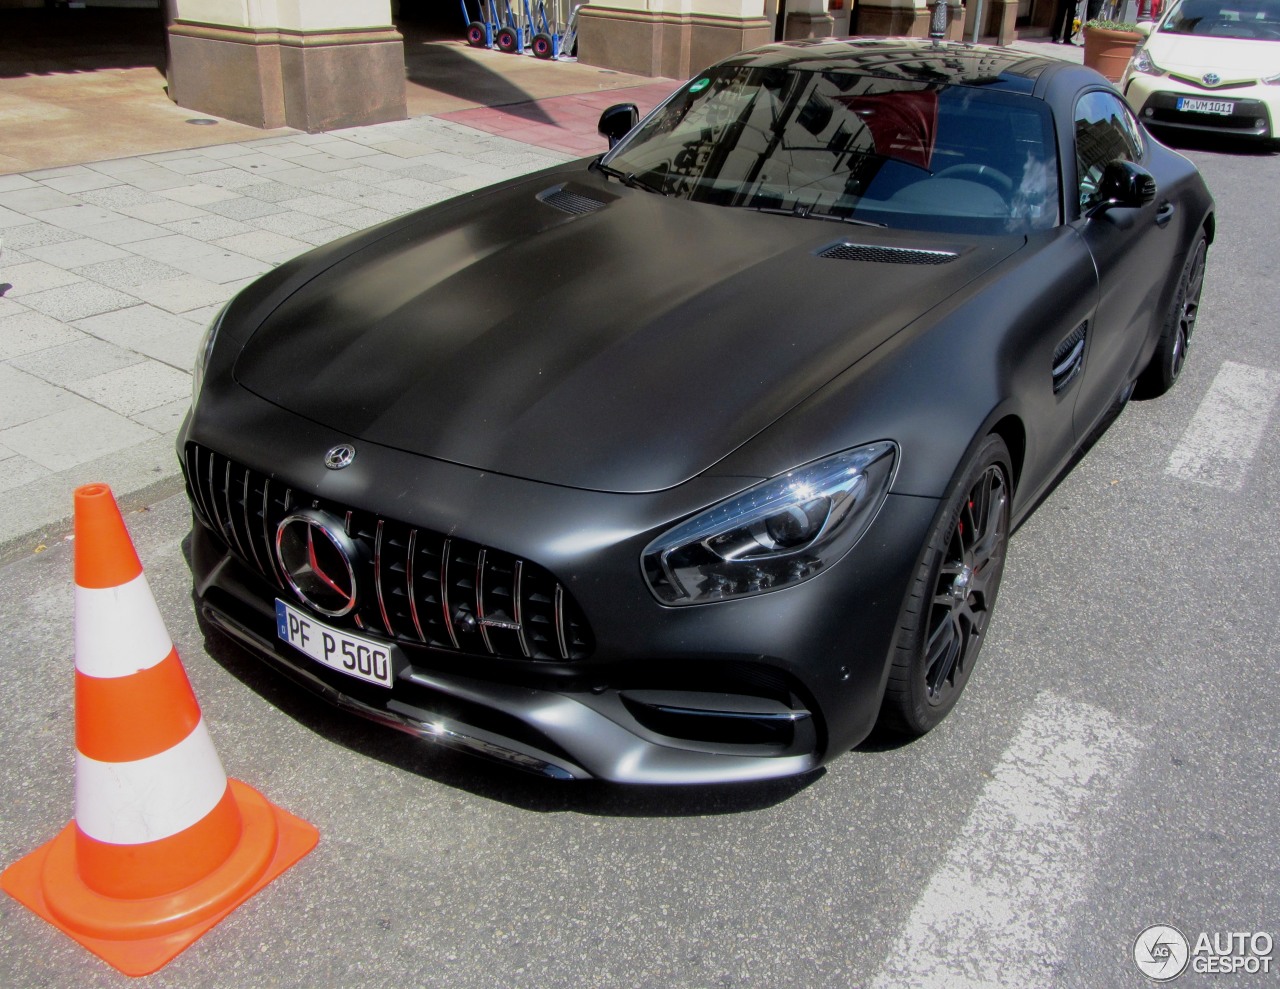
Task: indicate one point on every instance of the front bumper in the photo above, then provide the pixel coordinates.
(1155, 100)
(750, 689)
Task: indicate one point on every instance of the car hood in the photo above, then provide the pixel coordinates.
(1231, 58)
(568, 330)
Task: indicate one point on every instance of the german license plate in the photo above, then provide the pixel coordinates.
(353, 655)
(1221, 107)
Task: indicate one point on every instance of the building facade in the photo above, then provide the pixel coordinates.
(320, 64)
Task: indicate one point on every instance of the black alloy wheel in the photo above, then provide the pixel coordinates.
(1175, 339)
(945, 618)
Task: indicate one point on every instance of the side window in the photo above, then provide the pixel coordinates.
(1105, 131)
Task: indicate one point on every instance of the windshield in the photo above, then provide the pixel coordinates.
(835, 145)
(1257, 20)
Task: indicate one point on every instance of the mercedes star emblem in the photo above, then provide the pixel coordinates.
(316, 557)
(340, 456)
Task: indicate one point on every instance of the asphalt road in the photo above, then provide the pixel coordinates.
(1113, 764)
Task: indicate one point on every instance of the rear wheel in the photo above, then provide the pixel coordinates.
(543, 47)
(944, 619)
(1171, 352)
(477, 35)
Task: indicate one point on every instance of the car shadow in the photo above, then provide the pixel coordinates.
(490, 780)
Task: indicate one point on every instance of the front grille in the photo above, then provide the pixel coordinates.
(416, 586)
(885, 255)
(1199, 83)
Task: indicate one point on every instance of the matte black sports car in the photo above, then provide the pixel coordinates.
(696, 461)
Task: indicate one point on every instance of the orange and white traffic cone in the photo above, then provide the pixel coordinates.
(163, 845)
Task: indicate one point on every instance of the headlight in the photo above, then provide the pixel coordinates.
(1142, 62)
(203, 352)
(779, 533)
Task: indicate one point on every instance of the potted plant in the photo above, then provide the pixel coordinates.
(1108, 46)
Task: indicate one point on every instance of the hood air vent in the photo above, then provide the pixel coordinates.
(570, 202)
(886, 255)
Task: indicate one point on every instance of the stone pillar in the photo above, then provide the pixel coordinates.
(908, 18)
(902, 18)
(673, 38)
(808, 19)
(999, 18)
(1004, 17)
(310, 64)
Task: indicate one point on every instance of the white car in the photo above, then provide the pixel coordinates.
(1209, 67)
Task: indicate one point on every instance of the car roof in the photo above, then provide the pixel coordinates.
(913, 59)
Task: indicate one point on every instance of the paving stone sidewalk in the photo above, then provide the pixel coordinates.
(109, 273)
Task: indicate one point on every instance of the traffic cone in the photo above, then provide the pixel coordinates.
(163, 845)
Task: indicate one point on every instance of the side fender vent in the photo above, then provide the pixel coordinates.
(570, 202)
(1068, 357)
(885, 255)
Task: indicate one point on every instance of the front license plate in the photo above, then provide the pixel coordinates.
(1221, 107)
(353, 655)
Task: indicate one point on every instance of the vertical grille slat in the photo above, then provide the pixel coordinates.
(518, 586)
(191, 460)
(559, 623)
(408, 570)
(247, 503)
(237, 501)
(480, 613)
(379, 589)
(418, 587)
(212, 488)
(444, 592)
(267, 533)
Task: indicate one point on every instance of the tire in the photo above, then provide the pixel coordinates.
(508, 41)
(543, 46)
(945, 616)
(1175, 337)
(477, 36)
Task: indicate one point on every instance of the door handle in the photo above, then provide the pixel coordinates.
(1165, 213)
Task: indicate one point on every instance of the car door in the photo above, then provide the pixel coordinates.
(1133, 250)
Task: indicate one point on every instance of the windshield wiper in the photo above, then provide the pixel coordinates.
(807, 213)
(630, 179)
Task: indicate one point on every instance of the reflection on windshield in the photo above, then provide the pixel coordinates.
(844, 146)
(1245, 19)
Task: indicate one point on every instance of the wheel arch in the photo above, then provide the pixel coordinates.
(1014, 433)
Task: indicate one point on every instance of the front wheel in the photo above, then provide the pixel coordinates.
(944, 619)
(1175, 338)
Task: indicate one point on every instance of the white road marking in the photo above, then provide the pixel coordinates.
(995, 910)
(1222, 437)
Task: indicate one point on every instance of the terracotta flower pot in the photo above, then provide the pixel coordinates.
(1109, 51)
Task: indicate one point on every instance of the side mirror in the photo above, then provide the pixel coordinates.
(616, 121)
(1124, 185)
